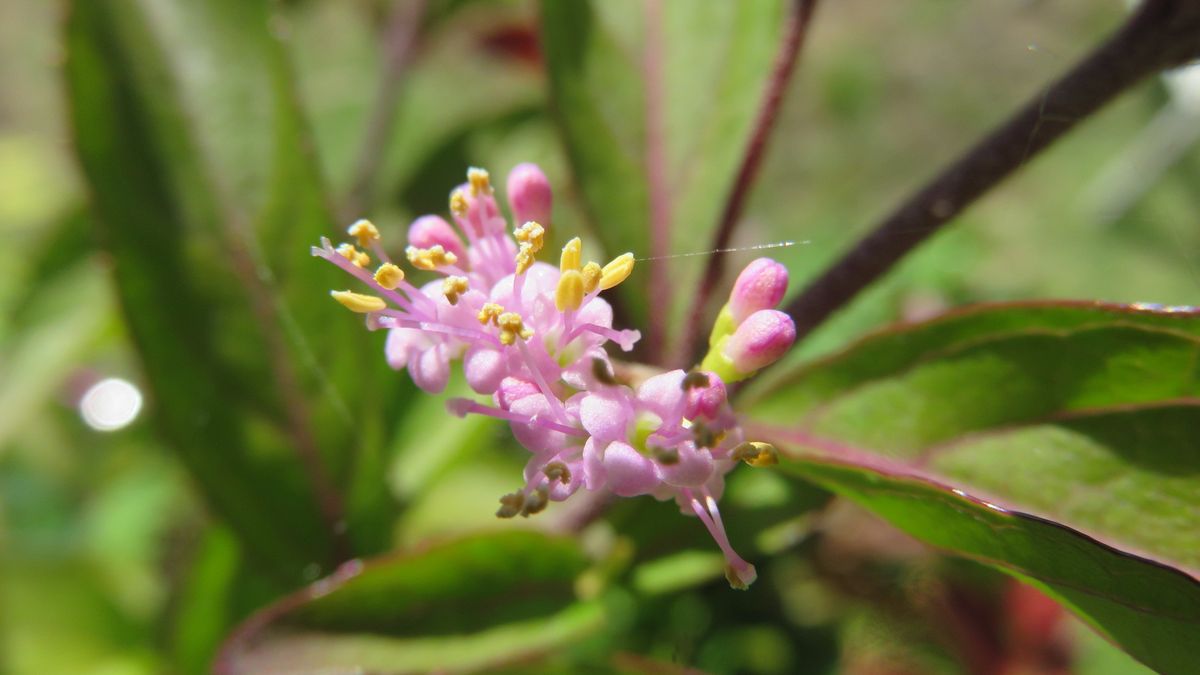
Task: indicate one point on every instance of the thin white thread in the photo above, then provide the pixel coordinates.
(737, 249)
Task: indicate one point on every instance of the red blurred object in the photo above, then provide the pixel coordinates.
(517, 42)
(1036, 639)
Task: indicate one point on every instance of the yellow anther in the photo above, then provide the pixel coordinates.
(458, 203)
(389, 276)
(525, 258)
(354, 255)
(571, 255)
(365, 232)
(430, 258)
(569, 294)
(511, 326)
(532, 236)
(756, 454)
(616, 271)
(490, 313)
(452, 287)
(357, 302)
(479, 181)
(591, 277)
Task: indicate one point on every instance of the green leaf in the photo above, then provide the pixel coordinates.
(465, 604)
(207, 199)
(715, 60)
(1055, 441)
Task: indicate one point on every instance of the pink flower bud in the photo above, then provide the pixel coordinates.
(484, 367)
(430, 231)
(706, 401)
(513, 389)
(760, 340)
(529, 194)
(760, 286)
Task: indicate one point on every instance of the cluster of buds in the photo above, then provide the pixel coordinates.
(532, 338)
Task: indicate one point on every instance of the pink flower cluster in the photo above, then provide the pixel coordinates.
(532, 338)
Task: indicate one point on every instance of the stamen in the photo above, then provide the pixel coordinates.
(389, 276)
(357, 302)
(511, 504)
(458, 203)
(536, 502)
(480, 182)
(625, 339)
(452, 287)
(490, 312)
(532, 236)
(572, 255)
(327, 252)
(591, 277)
(430, 258)
(616, 271)
(531, 233)
(512, 326)
(393, 319)
(756, 454)
(739, 572)
(354, 255)
(557, 471)
(569, 294)
(365, 232)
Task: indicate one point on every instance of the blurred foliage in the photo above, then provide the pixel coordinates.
(164, 167)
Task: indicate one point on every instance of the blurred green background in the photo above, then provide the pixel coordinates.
(110, 560)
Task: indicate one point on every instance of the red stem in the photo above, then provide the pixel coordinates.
(786, 57)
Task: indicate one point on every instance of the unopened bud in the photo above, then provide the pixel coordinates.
(529, 194)
(705, 395)
(760, 286)
(429, 231)
(759, 341)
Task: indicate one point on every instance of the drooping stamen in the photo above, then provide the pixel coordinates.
(739, 572)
